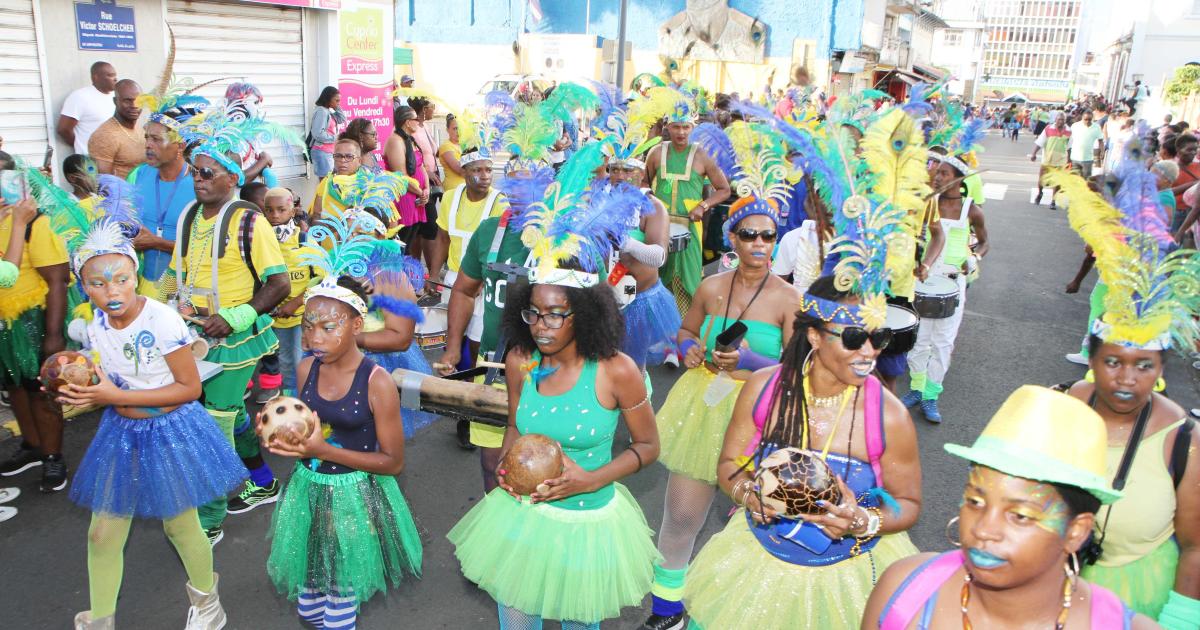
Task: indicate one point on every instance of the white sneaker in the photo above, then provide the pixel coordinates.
(1077, 357)
(8, 494)
(671, 360)
(7, 512)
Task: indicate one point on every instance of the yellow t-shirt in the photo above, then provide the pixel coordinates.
(234, 281)
(470, 214)
(450, 179)
(44, 249)
(298, 274)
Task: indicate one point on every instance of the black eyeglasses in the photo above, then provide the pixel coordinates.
(551, 320)
(853, 337)
(345, 157)
(747, 235)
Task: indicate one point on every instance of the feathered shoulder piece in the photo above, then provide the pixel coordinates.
(1153, 295)
(102, 224)
(576, 225)
(215, 134)
(873, 219)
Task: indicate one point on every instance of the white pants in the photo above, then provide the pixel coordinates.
(475, 327)
(935, 340)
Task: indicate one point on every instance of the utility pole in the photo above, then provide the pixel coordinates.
(621, 49)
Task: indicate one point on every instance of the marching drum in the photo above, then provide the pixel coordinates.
(936, 297)
(431, 333)
(681, 235)
(903, 322)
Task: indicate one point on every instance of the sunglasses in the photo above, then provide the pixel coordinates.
(854, 337)
(207, 174)
(747, 235)
(552, 320)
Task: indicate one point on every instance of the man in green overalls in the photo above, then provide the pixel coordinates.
(677, 171)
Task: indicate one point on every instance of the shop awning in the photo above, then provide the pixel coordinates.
(907, 77)
(929, 72)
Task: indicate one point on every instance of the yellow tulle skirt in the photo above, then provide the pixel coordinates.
(735, 583)
(689, 431)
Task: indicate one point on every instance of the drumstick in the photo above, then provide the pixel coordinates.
(954, 181)
(437, 365)
(194, 320)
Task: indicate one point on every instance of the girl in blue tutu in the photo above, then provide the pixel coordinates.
(342, 531)
(157, 453)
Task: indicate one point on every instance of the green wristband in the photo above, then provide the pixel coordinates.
(1180, 613)
(240, 317)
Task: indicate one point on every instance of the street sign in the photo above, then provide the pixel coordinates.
(103, 25)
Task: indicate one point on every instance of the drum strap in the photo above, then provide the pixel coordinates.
(493, 374)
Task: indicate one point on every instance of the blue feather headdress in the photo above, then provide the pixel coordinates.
(625, 130)
(369, 189)
(572, 231)
(753, 157)
(104, 223)
(215, 134)
(172, 103)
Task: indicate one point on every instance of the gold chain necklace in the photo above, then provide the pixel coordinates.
(1059, 623)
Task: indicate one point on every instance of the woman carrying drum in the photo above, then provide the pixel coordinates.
(1035, 485)
(929, 360)
(737, 323)
(1148, 542)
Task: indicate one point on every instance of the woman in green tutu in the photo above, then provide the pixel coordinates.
(342, 530)
(767, 571)
(577, 549)
(1148, 541)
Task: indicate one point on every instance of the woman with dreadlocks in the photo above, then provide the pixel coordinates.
(820, 397)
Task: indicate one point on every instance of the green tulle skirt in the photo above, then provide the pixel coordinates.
(735, 583)
(575, 565)
(1143, 584)
(244, 349)
(689, 431)
(333, 532)
(21, 347)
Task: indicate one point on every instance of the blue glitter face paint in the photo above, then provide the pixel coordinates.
(110, 282)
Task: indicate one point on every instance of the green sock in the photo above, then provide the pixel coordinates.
(192, 546)
(106, 562)
(916, 381)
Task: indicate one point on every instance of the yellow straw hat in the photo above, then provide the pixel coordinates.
(1047, 436)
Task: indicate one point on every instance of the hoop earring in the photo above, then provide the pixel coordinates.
(1090, 376)
(807, 363)
(951, 525)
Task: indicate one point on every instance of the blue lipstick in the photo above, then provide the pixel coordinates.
(985, 560)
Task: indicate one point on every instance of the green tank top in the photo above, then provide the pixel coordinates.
(678, 180)
(765, 339)
(577, 420)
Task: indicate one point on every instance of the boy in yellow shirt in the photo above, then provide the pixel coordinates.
(281, 365)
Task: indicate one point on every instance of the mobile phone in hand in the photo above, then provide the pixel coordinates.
(48, 161)
(13, 187)
(731, 337)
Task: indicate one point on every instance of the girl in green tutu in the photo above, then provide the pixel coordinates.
(578, 549)
(342, 530)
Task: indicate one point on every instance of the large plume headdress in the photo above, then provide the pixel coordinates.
(625, 130)
(1153, 288)
(216, 135)
(572, 231)
(172, 102)
(754, 159)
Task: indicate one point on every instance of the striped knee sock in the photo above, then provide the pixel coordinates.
(666, 595)
(341, 611)
(311, 607)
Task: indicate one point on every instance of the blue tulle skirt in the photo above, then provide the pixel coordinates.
(156, 467)
(651, 323)
(411, 359)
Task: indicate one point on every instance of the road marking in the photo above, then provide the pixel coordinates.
(994, 191)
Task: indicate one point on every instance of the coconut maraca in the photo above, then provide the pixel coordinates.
(532, 460)
(65, 367)
(287, 418)
(793, 480)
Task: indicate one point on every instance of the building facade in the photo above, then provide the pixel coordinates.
(1031, 50)
(1155, 37)
(958, 48)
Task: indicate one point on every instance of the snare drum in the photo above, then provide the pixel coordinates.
(681, 235)
(936, 298)
(431, 333)
(903, 322)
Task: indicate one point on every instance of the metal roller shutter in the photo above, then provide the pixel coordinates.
(22, 101)
(258, 43)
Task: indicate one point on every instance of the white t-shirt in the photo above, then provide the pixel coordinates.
(134, 357)
(1083, 140)
(90, 107)
(799, 254)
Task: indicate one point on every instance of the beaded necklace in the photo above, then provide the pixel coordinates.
(196, 252)
(1059, 623)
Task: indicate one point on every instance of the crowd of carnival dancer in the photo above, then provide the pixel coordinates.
(565, 256)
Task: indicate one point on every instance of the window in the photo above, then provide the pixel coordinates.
(1196, 8)
(952, 37)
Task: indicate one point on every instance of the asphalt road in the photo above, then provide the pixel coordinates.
(1018, 325)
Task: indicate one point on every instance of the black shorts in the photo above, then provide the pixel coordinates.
(429, 228)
